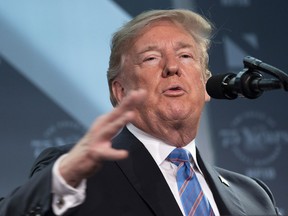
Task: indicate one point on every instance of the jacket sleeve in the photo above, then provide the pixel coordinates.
(268, 191)
(33, 197)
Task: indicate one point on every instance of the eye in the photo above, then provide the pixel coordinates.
(149, 59)
(186, 56)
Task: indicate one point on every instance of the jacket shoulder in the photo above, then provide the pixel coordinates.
(48, 156)
(251, 191)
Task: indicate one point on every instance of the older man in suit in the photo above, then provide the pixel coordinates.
(141, 159)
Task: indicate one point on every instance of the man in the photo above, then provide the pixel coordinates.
(157, 75)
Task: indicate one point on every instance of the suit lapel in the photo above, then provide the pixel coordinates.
(145, 175)
(224, 194)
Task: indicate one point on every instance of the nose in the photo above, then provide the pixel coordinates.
(171, 67)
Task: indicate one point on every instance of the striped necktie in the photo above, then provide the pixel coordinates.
(193, 199)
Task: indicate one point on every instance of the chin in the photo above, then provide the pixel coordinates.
(177, 118)
(178, 113)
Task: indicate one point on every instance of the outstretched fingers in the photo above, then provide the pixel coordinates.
(107, 126)
(95, 147)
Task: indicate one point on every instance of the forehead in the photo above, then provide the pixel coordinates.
(162, 32)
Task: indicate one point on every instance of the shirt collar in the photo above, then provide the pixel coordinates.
(158, 149)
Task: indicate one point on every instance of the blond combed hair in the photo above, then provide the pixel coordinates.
(197, 26)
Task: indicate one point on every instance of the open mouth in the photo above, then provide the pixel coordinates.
(174, 90)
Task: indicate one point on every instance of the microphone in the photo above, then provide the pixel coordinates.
(247, 83)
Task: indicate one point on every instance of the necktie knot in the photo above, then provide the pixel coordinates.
(179, 155)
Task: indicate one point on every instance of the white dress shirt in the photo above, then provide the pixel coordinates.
(160, 151)
(65, 196)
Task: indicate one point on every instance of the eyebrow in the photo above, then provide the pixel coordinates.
(147, 49)
(179, 45)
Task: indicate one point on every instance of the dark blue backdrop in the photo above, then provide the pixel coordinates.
(248, 136)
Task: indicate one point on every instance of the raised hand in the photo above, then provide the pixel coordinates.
(95, 147)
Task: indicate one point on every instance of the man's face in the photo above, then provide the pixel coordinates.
(164, 60)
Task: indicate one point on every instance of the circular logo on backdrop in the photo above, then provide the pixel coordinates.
(253, 138)
(61, 133)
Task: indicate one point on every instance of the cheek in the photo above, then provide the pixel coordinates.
(130, 80)
(198, 86)
(146, 80)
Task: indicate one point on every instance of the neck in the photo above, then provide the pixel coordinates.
(176, 133)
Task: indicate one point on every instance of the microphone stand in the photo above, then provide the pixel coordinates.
(250, 83)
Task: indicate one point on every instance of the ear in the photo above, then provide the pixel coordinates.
(118, 91)
(207, 97)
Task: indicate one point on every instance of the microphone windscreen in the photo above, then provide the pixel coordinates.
(214, 86)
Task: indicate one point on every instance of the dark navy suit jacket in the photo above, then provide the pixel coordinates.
(135, 187)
